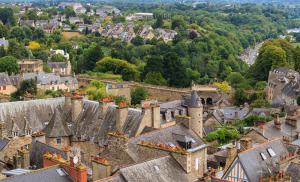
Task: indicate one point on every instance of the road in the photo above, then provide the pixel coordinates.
(250, 54)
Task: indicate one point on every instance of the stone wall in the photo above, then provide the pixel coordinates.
(65, 141)
(87, 149)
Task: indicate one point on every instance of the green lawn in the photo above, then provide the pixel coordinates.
(296, 44)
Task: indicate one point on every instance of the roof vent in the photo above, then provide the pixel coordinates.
(263, 156)
(271, 152)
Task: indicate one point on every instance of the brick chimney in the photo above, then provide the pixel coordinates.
(3, 131)
(104, 103)
(245, 144)
(77, 106)
(77, 172)
(101, 168)
(121, 115)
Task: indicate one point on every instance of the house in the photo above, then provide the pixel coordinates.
(80, 10)
(4, 42)
(30, 65)
(29, 23)
(76, 20)
(146, 32)
(6, 86)
(166, 34)
(105, 11)
(75, 6)
(283, 87)
(263, 162)
(139, 16)
(61, 68)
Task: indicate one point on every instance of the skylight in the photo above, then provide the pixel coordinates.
(61, 172)
(156, 168)
(263, 156)
(271, 152)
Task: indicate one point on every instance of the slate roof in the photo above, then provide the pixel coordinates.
(115, 178)
(3, 143)
(46, 175)
(38, 149)
(165, 135)
(57, 64)
(165, 169)
(193, 100)
(253, 163)
(57, 126)
(4, 79)
(294, 171)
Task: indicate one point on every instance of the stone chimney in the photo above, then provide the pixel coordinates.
(185, 160)
(68, 100)
(101, 168)
(155, 109)
(77, 172)
(277, 122)
(104, 103)
(77, 106)
(121, 115)
(231, 154)
(24, 158)
(184, 120)
(245, 144)
(3, 131)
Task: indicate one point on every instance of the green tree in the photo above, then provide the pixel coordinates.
(7, 16)
(58, 58)
(17, 50)
(27, 87)
(38, 34)
(3, 30)
(235, 78)
(137, 41)
(2, 51)
(91, 56)
(159, 22)
(155, 78)
(9, 64)
(69, 12)
(118, 66)
(137, 95)
(18, 33)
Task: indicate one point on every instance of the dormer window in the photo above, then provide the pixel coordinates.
(28, 132)
(58, 140)
(14, 133)
(263, 156)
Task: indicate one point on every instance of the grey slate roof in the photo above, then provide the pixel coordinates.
(49, 78)
(165, 169)
(294, 171)
(57, 64)
(115, 178)
(38, 149)
(253, 163)
(4, 79)
(3, 143)
(50, 174)
(57, 126)
(194, 100)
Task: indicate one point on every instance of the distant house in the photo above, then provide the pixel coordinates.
(80, 10)
(147, 32)
(61, 68)
(30, 65)
(29, 23)
(166, 34)
(107, 10)
(76, 20)
(139, 16)
(60, 51)
(4, 42)
(6, 86)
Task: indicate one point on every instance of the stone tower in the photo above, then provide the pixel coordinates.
(195, 111)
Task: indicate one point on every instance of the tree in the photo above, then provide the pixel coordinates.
(69, 12)
(18, 33)
(96, 90)
(34, 45)
(2, 51)
(58, 58)
(118, 66)
(137, 95)
(155, 78)
(178, 22)
(174, 71)
(235, 78)
(153, 64)
(27, 87)
(38, 34)
(137, 41)
(297, 36)
(17, 50)
(91, 56)
(7, 16)
(3, 30)
(159, 22)
(9, 64)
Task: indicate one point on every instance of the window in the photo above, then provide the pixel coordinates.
(271, 152)
(58, 140)
(4, 87)
(263, 156)
(28, 132)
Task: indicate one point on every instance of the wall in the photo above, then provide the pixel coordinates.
(8, 90)
(65, 141)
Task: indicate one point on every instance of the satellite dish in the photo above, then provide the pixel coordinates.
(75, 160)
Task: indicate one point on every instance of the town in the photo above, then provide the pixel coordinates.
(121, 92)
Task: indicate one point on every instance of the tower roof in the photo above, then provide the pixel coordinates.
(195, 100)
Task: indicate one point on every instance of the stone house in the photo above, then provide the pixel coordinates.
(165, 34)
(147, 32)
(6, 86)
(61, 68)
(30, 65)
(61, 52)
(266, 161)
(76, 20)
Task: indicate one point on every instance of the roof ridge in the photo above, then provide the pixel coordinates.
(260, 145)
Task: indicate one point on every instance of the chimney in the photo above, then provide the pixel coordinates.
(245, 144)
(77, 106)
(121, 115)
(231, 154)
(155, 108)
(3, 131)
(24, 158)
(68, 100)
(277, 122)
(104, 103)
(185, 160)
(77, 172)
(101, 168)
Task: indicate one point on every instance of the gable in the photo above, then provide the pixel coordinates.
(236, 172)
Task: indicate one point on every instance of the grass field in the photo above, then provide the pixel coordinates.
(296, 44)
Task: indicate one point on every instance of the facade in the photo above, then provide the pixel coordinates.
(6, 86)
(139, 16)
(61, 68)
(30, 66)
